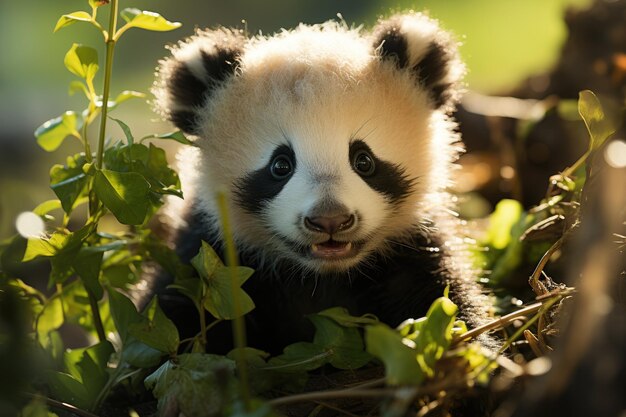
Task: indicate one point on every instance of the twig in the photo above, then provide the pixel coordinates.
(425, 410)
(533, 342)
(542, 309)
(337, 409)
(368, 384)
(365, 393)
(534, 278)
(329, 395)
(60, 405)
(497, 323)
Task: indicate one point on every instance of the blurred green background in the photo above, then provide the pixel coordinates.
(503, 41)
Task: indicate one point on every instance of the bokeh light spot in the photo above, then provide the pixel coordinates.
(615, 154)
(28, 224)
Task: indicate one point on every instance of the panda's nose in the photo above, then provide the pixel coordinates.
(329, 224)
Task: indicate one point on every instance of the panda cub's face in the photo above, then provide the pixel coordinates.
(323, 190)
(332, 144)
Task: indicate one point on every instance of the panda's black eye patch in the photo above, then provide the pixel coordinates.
(281, 167)
(257, 188)
(384, 177)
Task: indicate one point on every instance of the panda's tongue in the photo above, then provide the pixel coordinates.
(331, 249)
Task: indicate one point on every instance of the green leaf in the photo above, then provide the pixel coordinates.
(197, 384)
(89, 366)
(82, 61)
(66, 388)
(123, 313)
(122, 97)
(87, 265)
(254, 357)
(501, 221)
(125, 96)
(148, 20)
(26, 291)
(62, 247)
(598, 125)
(51, 134)
(151, 162)
(77, 307)
(299, 357)
(176, 135)
(410, 328)
(346, 343)
(341, 316)
(401, 367)
(36, 408)
(46, 207)
(220, 301)
(124, 193)
(97, 3)
(93, 369)
(77, 86)
(159, 333)
(69, 182)
(435, 334)
(68, 19)
(125, 129)
(217, 277)
(51, 317)
(163, 179)
(140, 355)
(512, 257)
(44, 247)
(206, 262)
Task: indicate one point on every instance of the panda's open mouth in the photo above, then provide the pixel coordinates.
(332, 249)
(329, 250)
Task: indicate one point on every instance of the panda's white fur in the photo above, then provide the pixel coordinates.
(321, 91)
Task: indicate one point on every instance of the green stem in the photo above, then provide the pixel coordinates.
(88, 156)
(202, 327)
(572, 169)
(239, 326)
(110, 47)
(97, 320)
(108, 69)
(192, 339)
(544, 308)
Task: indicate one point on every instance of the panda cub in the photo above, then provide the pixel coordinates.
(336, 147)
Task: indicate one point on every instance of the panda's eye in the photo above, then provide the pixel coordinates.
(363, 163)
(281, 167)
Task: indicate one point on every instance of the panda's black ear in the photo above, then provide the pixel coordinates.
(197, 67)
(416, 43)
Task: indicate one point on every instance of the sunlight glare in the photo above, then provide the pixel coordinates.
(615, 154)
(28, 224)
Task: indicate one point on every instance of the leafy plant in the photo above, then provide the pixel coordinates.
(88, 264)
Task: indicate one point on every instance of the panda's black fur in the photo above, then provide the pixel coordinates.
(392, 288)
(360, 220)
